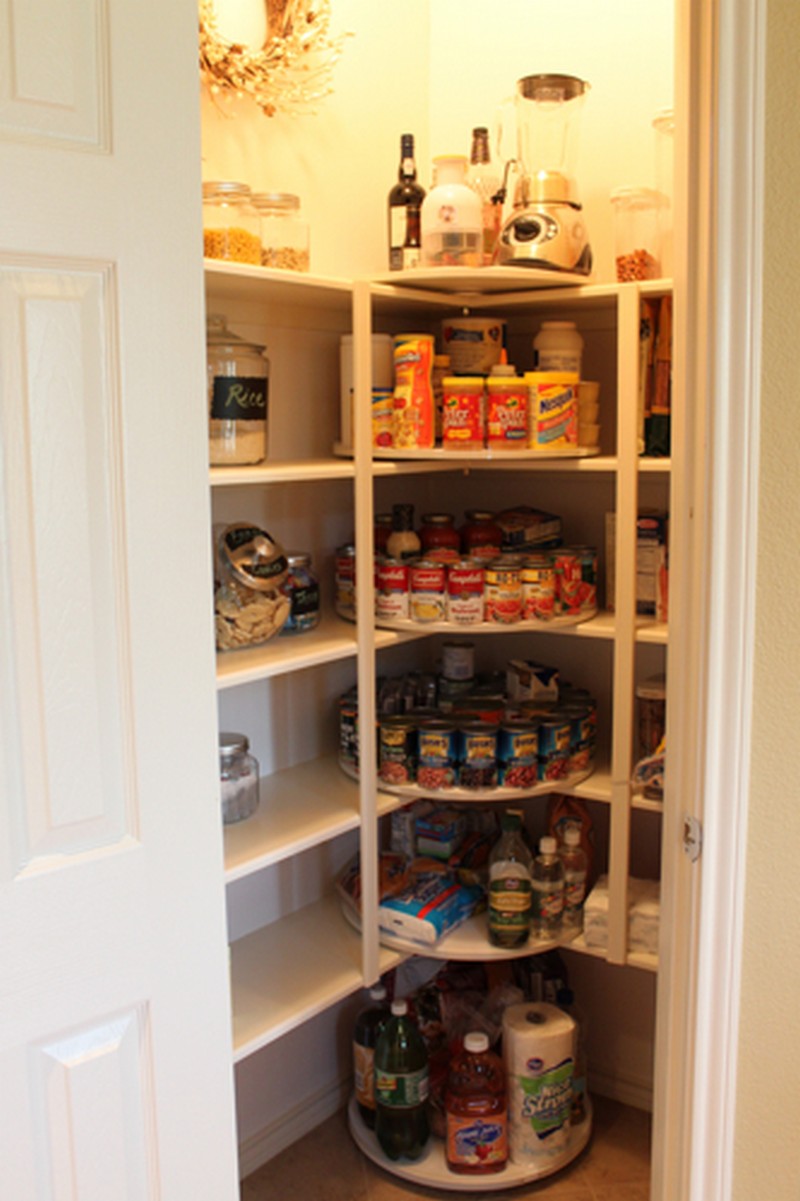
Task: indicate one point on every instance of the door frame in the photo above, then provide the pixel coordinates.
(719, 213)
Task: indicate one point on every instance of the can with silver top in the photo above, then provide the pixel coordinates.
(238, 774)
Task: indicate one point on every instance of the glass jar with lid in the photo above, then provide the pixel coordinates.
(302, 588)
(238, 778)
(283, 230)
(250, 602)
(230, 223)
(238, 395)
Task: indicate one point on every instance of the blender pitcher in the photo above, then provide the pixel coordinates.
(546, 227)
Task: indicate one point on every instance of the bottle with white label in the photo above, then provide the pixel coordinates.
(548, 889)
(574, 862)
(558, 347)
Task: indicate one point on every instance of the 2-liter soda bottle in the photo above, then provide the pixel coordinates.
(368, 1025)
(401, 1087)
(476, 1106)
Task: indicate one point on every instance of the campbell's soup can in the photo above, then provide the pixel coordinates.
(427, 581)
(567, 568)
(346, 581)
(502, 592)
(391, 589)
(437, 754)
(465, 580)
(538, 579)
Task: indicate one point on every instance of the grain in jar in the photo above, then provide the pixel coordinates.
(230, 223)
(283, 230)
(237, 376)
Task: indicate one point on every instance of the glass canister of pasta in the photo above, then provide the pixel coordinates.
(231, 227)
(250, 604)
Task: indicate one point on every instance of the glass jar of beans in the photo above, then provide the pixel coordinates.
(284, 231)
(230, 223)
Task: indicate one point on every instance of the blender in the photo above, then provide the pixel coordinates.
(546, 227)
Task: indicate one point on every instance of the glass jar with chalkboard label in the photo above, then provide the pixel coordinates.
(302, 588)
(238, 393)
(250, 601)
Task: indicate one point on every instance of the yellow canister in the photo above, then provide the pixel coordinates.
(552, 410)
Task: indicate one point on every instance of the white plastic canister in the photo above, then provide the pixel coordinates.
(558, 347)
(382, 378)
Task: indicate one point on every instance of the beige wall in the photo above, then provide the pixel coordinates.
(767, 1155)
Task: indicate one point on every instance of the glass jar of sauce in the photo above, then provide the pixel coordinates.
(481, 537)
(439, 537)
(381, 531)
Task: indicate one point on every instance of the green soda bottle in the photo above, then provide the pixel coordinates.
(401, 1087)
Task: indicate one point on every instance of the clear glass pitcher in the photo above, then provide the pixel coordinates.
(546, 118)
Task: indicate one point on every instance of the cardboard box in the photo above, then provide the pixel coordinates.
(652, 563)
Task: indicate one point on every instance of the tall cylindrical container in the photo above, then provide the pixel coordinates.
(401, 1087)
(452, 217)
(539, 1055)
(476, 1109)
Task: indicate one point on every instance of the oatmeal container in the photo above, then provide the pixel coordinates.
(238, 396)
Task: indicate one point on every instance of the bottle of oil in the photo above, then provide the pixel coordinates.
(510, 884)
(476, 1107)
(401, 1087)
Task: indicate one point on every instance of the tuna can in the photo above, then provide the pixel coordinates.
(503, 592)
(397, 750)
(427, 581)
(465, 580)
(391, 589)
(554, 746)
(581, 738)
(478, 755)
(538, 588)
(567, 568)
(437, 754)
(517, 754)
(458, 660)
(346, 581)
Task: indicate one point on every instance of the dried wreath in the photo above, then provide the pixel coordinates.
(289, 73)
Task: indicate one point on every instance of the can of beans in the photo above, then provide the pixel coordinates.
(437, 754)
(517, 754)
(465, 592)
(478, 755)
(581, 738)
(538, 580)
(397, 750)
(427, 581)
(346, 581)
(502, 593)
(567, 568)
(391, 589)
(554, 746)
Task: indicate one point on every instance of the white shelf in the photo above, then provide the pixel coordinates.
(288, 972)
(300, 807)
(248, 283)
(437, 454)
(289, 472)
(509, 796)
(431, 1169)
(656, 632)
(481, 281)
(596, 465)
(654, 466)
(332, 639)
(407, 625)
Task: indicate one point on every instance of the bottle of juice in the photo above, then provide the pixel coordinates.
(476, 1108)
(510, 884)
(401, 1087)
(548, 889)
(369, 1023)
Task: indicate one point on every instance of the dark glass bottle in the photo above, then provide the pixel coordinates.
(368, 1025)
(401, 1087)
(405, 203)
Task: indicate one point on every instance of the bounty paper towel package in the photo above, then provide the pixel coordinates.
(539, 1053)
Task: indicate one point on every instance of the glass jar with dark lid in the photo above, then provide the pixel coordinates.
(230, 223)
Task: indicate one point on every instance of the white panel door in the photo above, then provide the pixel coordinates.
(115, 1047)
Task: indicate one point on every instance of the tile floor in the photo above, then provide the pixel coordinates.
(326, 1165)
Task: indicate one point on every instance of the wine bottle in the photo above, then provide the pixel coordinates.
(405, 202)
(485, 180)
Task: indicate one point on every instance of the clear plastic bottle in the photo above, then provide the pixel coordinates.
(566, 1001)
(401, 1087)
(510, 885)
(548, 889)
(476, 1108)
(369, 1023)
(575, 864)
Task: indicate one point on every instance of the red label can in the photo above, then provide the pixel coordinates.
(465, 592)
(567, 567)
(391, 589)
(427, 584)
(538, 588)
(503, 592)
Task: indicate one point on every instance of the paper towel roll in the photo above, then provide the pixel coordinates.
(539, 1053)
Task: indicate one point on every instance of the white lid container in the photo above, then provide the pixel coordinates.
(451, 217)
(558, 347)
(382, 377)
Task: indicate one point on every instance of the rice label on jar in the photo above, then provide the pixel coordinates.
(239, 398)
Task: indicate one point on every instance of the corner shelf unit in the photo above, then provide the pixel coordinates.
(307, 802)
